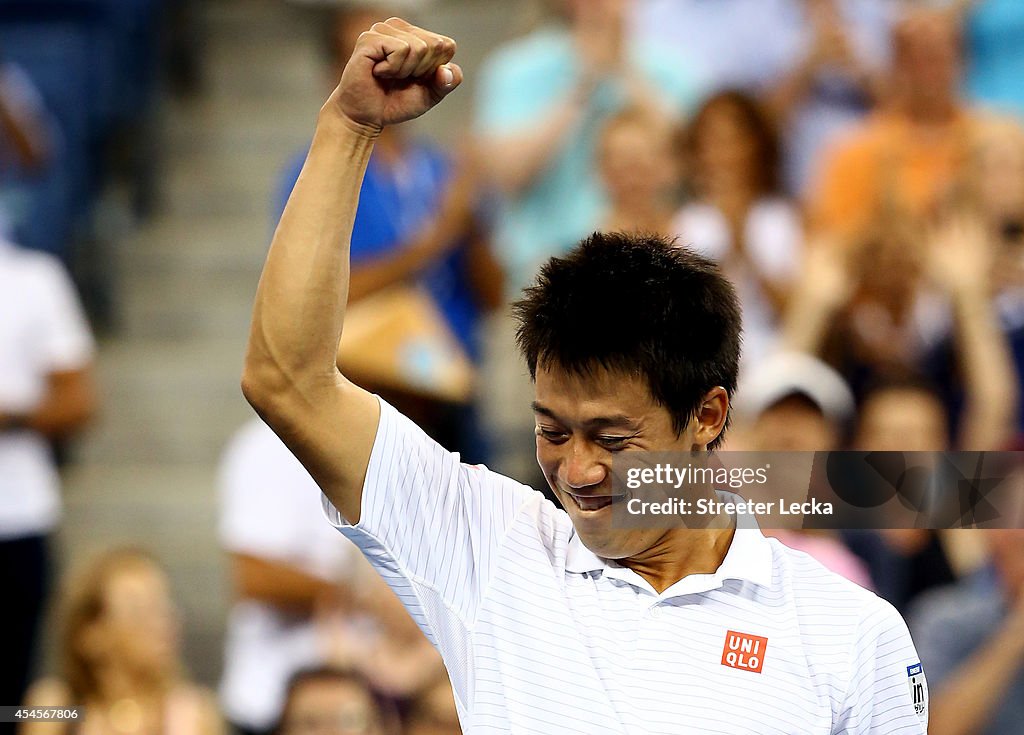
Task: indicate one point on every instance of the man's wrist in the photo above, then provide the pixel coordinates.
(332, 118)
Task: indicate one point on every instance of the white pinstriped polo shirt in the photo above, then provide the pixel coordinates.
(539, 635)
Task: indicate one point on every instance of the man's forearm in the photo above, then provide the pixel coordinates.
(306, 275)
(280, 585)
(396, 73)
(70, 401)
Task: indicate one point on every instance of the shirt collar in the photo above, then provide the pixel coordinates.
(749, 559)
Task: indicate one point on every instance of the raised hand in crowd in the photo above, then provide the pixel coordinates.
(960, 258)
(826, 285)
(830, 51)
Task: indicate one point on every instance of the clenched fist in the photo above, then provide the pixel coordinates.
(396, 73)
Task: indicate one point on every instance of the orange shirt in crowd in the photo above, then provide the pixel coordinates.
(888, 166)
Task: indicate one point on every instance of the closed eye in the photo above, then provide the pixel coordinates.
(613, 443)
(555, 436)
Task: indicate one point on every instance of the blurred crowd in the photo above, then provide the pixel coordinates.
(855, 166)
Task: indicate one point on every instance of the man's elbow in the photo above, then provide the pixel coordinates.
(264, 387)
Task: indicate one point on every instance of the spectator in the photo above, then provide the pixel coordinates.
(738, 215)
(907, 159)
(286, 562)
(905, 414)
(46, 394)
(304, 597)
(790, 402)
(814, 61)
(996, 195)
(971, 640)
(416, 224)
(831, 82)
(539, 113)
(120, 653)
(638, 171)
(330, 701)
(957, 258)
(380, 640)
(902, 414)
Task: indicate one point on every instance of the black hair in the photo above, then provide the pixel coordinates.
(639, 304)
(386, 711)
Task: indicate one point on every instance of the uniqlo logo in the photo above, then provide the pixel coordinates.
(744, 651)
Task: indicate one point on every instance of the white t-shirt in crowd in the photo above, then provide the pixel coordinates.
(42, 331)
(270, 509)
(774, 239)
(539, 635)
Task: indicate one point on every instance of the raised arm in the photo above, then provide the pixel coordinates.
(961, 258)
(396, 73)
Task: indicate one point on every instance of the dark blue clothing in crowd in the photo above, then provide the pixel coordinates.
(394, 203)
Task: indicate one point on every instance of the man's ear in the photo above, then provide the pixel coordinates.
(710, 418)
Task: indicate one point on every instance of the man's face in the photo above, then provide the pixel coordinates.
(927, 55)
(582, 422)
(793, 425)
(636, 164)
(902, 420)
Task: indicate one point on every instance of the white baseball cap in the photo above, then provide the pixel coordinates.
(782, 374)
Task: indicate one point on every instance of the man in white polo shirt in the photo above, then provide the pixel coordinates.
(555, 621)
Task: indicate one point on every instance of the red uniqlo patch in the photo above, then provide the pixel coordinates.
(744, 651)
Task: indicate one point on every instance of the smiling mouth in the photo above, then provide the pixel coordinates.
(593, 502)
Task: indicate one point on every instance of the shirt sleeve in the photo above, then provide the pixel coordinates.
(433, 527)
(887, 694)
(65, 340)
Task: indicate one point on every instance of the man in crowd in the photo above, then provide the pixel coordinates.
(907, 159)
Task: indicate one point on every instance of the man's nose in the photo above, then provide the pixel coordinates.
(582, 468)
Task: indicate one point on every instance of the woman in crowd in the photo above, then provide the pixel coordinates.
(737, 215)
(640, 177)
(121, 658)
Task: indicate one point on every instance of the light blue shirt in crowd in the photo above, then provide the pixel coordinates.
(521, 83)
(995, 50)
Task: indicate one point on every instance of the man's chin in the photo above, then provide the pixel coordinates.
(607, 544)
